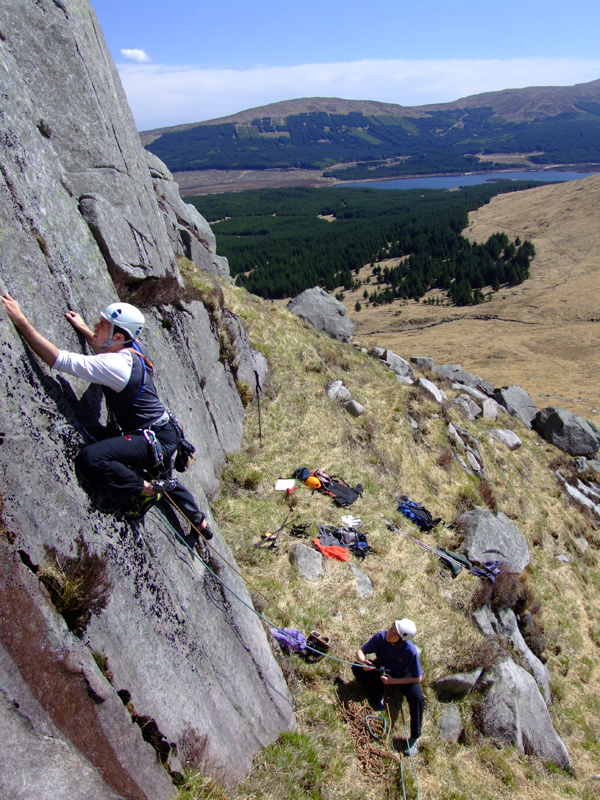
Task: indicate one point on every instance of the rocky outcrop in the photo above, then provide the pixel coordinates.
(80, 224)
(189, 233)
(324, 313)
(567, 431)
(514, 713)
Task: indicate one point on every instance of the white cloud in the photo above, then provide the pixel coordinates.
(134, 54)
(162, 95)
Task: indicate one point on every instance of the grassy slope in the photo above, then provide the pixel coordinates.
(301, 426)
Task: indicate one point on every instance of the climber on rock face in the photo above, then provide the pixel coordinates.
(142, 434)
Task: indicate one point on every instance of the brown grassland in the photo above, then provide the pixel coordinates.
(542, 335)
(543, 339)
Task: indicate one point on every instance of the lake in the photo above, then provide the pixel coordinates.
(470, 179)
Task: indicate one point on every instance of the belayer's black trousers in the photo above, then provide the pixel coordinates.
(370, 680)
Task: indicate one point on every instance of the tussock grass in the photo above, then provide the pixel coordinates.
(301, 426)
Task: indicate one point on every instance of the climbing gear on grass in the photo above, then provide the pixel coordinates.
(417, 513)
(270, 538)
(318, 646)
(454, 561)
(333, 486)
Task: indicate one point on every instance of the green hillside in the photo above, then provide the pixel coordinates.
(391, 141)
(332, 756)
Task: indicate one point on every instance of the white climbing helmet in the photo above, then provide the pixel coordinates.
(124, 316)
(405, 628)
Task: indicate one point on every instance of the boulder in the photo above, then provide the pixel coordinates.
(324, 313)
(449, 724)
(489, 409)
(423, 361)
(337, 391)
(507, 438)
(489, 537)
(471, 390)
(567, 431)
(402, 368)
(398, 365)
(439, 395)
(353, 408)
(457, 685)
(517, 402)
(454, 372)
(364, 585)
(307, 560)
(514, 713)
(469, 406)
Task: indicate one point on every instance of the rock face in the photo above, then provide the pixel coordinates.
(324, 313)
(567, 431)
(79, 224)
(190, 234)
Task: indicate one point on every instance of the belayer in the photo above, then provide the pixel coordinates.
(396, 663)
(147, 435)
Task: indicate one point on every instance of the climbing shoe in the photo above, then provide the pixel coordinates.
(411, 747)
(142, 505)
(196, 526)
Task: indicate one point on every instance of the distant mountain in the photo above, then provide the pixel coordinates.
(532, 127)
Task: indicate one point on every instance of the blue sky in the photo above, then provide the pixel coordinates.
(191, 60)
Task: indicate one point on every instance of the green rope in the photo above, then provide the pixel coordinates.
(243, 602)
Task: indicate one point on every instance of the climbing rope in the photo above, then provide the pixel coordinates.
(315, 650)
(251, 608)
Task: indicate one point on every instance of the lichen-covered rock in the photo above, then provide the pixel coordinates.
(324, 313)
(77, 208)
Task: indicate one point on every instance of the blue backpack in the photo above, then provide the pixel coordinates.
(417, 513)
